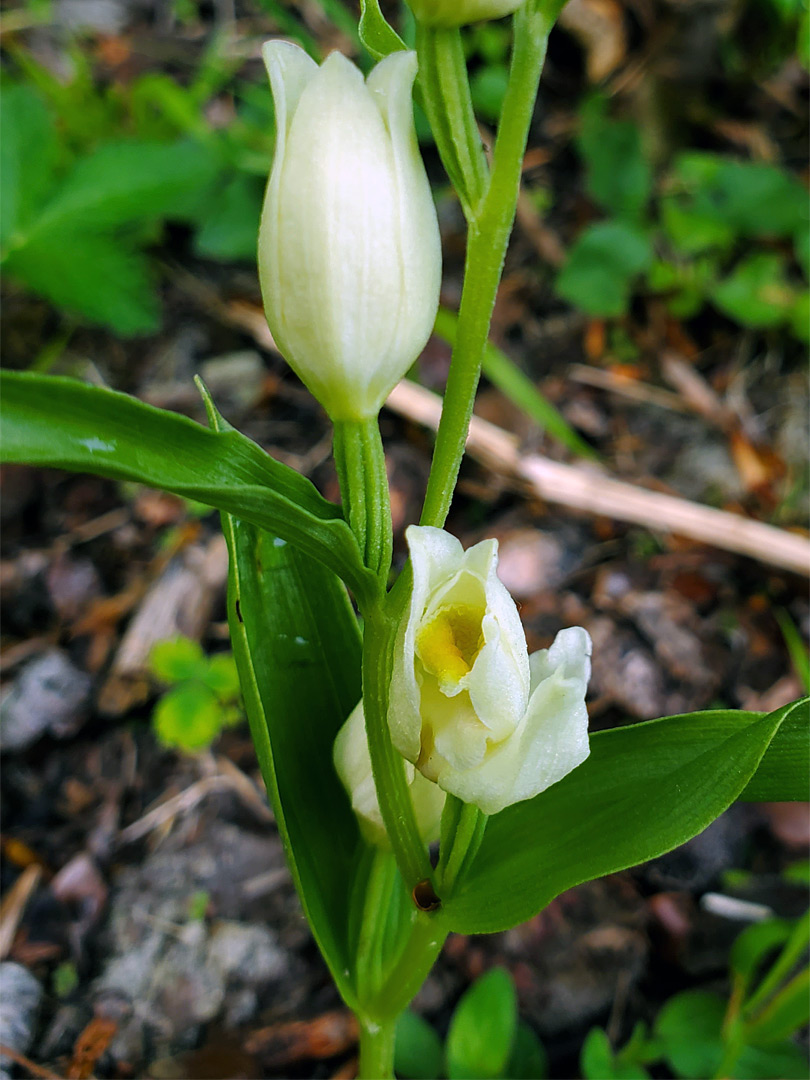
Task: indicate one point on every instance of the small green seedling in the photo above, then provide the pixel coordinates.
(203, 696)
(486, 1040)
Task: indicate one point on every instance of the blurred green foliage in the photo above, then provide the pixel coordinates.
(716, 231)
(203, 696)
(92, 174)
(749, 1036)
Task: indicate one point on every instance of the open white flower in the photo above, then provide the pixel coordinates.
(353, 765)
(349, 249)
(469, 707)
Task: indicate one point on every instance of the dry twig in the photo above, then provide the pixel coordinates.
(591, 490)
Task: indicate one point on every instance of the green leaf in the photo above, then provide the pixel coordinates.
(785, 1060)
(49, 420)
(787, 1013)
(784, 772)
(752, 198)
(689, 1027)
(378, 37)
(418, 1052)
(528, 1060)
(618, 175)
(504, 373)
(94, 275)
(177, 659)
(756, 293)
(297, 648)
(482, 1028)
(230, 221)
(222, 677)
(693, 231)
(28, 154)
(601, 268)
(598, 1061)
(800, 317)
(752, 946)
(644, 790)
(188, 717)
(128, 181)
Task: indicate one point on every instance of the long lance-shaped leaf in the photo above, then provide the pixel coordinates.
(50, 420)
(298, 650)
(644, 790)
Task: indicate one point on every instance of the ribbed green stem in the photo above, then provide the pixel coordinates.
(360, 464)
(387, 763)
(463, 828)
(490, 226)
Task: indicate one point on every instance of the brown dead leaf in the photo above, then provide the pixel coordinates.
(19, 853)
(299, 1040)
(598, 25)
(595, 339)
(760, 467)
(89, 1046)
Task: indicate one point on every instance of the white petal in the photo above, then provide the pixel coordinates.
(434, 555)
(551, 740)
(353, 765)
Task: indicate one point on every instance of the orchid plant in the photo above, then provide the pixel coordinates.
(432, 723)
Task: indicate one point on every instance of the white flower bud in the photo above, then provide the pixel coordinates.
(349, 250)
(469, 707)
(353, 765)
(448, 13)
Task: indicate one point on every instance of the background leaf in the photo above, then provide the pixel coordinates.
(643, 790)
(602, 265)
(28, 155)
(93, 275)
(618, 175)
(482, 1029)
(418, 1054)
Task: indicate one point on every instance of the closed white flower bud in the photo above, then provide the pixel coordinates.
(349, 251)
(469, 707)
(460, 12)
(353, 765)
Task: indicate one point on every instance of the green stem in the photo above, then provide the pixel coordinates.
(462, 832)
(416, 958)
(489, 229)
(388, 765)
(447, 101)
(360, 463)
(377, 1041)
(369, 960)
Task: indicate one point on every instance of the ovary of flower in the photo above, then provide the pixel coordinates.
(468, 706)
(353, 765)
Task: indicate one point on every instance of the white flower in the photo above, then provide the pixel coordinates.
(349, 250)
(459, 12)
(469, 707)
(353, 765)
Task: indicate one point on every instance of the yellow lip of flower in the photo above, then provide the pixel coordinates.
(449, 644)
